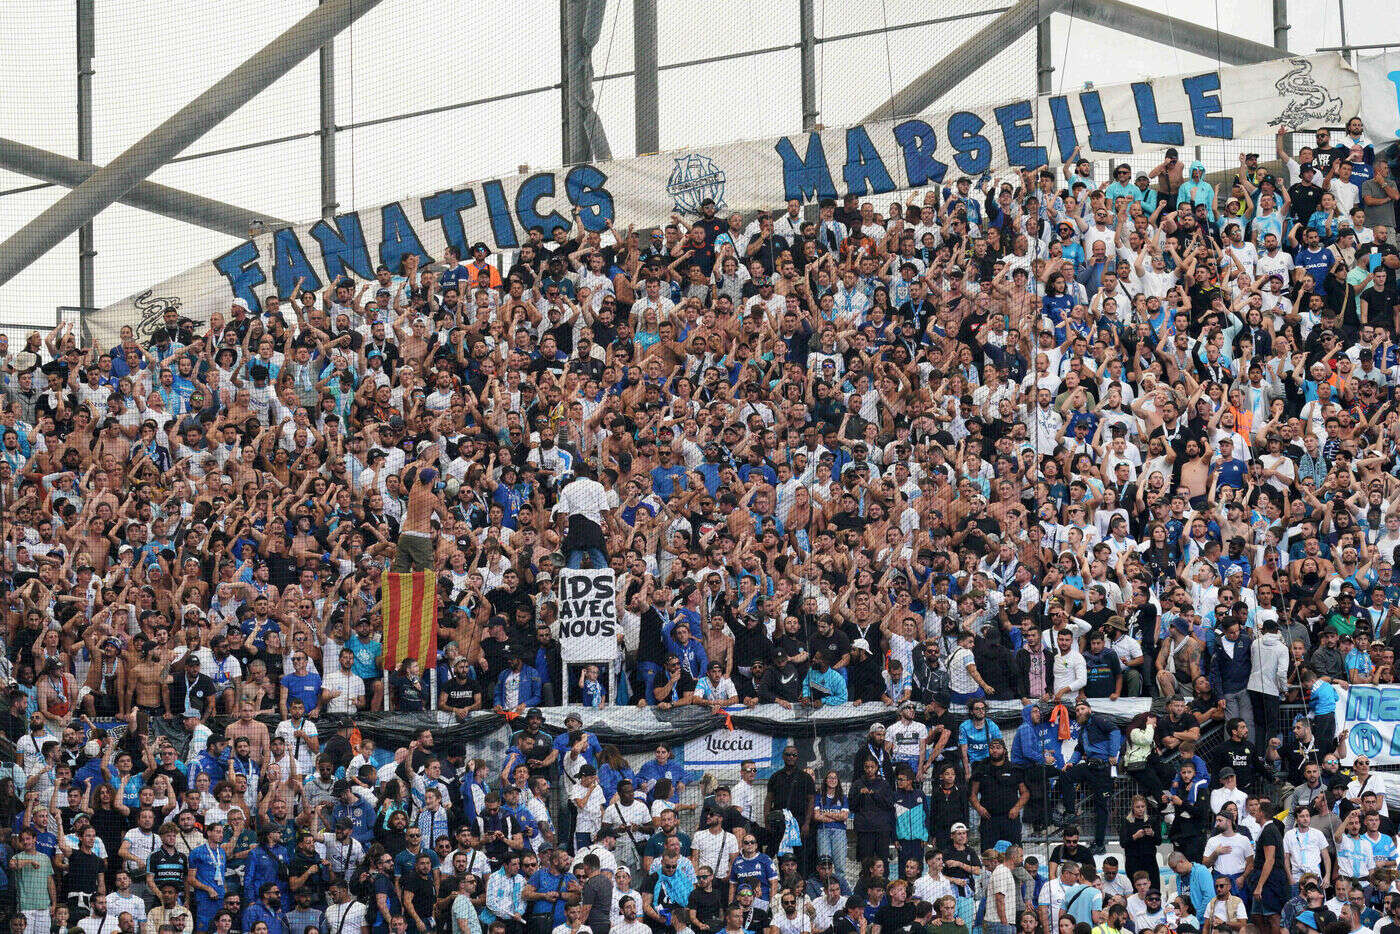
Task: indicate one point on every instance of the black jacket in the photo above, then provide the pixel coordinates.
(1023, 668)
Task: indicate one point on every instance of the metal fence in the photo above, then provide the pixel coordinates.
(64, 314)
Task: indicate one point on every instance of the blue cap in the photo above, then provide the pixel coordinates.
(1002, 846)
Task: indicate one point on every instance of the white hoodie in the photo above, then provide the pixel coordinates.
(1268, 665)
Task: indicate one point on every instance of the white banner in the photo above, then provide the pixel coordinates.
(726, 748)
(588, 615)
(1111, 122)
(1370, 714)
(1380, 95)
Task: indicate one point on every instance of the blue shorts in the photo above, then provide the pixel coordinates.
(204, 910)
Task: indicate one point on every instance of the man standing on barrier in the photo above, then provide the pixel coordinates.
(1091, 767)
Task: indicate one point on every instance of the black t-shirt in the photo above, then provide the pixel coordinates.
(998, 786)
(418, 890)
(833, 646)
(83, 870)
(893, 918)
(460, 692)
(1079, 853)
(965, 855)
(708, 907)
(1271, 834)
(685, 684)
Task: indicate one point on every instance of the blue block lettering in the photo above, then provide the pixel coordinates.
(241, 268)
(289, 263)
(343, 247)
(806, 179)
(498, 210)
(1205, 106)
(528, 195)
(1363, 703)
(864, 171)
(584, 187)
(1066, 138)
(1150, 129)
(398, 238)
(1017, 132)
(447, 207)
(974, 151)
(1101, 138)
(919, 142)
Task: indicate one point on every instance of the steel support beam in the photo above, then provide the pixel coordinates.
(566, 106)
(1178, 33)
(1044, 58)
(645, 93)
(328, 198)
(587, 140)
(148, 196)
(87, 250)
(1281, 26)
(959, 65)
(168, 140)
(807, 33)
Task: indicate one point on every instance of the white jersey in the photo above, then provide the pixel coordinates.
(906, 737)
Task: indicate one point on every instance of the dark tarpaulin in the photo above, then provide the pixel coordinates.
(636, 729)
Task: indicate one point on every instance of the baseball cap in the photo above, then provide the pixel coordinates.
(958, 826)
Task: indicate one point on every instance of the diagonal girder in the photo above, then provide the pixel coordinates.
(168, 140)
(148, 196)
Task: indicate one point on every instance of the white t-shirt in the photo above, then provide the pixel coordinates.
(715, 850)
(141, 843)
(305, 756)
(906, 738)
(1304, 851)
(959, 681)
(590, 816)
(1232, 863)
(350, 685)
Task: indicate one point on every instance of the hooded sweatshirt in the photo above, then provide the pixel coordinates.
(1196, 190)
(1268, 669)
(1033, 740)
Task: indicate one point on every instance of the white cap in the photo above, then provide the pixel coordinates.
(862, 645)
(241, 303)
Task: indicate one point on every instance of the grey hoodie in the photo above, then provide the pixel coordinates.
(1268, 665)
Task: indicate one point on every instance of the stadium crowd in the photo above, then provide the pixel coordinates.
(1040, 439)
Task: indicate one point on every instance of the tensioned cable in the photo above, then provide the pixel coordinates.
(607, 57)
(889, 62)
(1064, 56)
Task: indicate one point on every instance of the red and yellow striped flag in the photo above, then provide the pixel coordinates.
(410, 618)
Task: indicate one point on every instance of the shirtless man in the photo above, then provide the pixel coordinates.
(145, 683)
(415, 547)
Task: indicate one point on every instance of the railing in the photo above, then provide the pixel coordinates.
(18, 333)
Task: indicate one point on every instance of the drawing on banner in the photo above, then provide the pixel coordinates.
(152, 309)
(1365, 740)
(588, 615)
(1310, 102)
(693, 179)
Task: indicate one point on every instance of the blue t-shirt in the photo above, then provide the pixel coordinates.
(307, 687)
(366, 656)
(756, 872)
(1317, 263)
(1231, 473)
(665, 481)
(977, 739)
(1323, 699)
